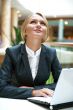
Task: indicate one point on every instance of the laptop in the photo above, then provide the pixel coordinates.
(63, 94)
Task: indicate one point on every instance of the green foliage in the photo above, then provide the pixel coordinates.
(18, 36)
(50, 80)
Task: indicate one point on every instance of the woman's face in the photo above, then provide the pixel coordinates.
(36, 28)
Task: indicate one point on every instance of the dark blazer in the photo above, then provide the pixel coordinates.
(15, 72)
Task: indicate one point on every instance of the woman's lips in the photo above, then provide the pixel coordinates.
(38, 30)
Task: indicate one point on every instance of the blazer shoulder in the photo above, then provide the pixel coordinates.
(51, 53)
(49, 49)
(15, 50)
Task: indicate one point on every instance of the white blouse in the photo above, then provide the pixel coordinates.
(33, 58)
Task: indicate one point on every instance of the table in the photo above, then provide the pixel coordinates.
(17, 104)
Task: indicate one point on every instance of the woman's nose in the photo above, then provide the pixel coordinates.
(38, 24)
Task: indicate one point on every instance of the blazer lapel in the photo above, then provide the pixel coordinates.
(26, 63)
(42, 67)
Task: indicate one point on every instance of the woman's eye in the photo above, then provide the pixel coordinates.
(32, 22)
(43, 23)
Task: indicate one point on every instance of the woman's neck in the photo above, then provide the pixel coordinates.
(33, 45)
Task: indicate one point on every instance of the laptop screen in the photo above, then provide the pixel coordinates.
(64, 88)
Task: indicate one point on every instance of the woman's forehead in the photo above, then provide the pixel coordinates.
(36, 17)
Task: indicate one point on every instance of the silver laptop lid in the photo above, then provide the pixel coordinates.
(64, 88)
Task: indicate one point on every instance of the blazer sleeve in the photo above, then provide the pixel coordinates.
(56, 67)
(6, 88)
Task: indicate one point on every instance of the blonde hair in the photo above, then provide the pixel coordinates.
(26, 22)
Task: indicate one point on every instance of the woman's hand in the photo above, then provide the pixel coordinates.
(43, 92)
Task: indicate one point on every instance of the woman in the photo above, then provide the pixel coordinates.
(27, 66)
